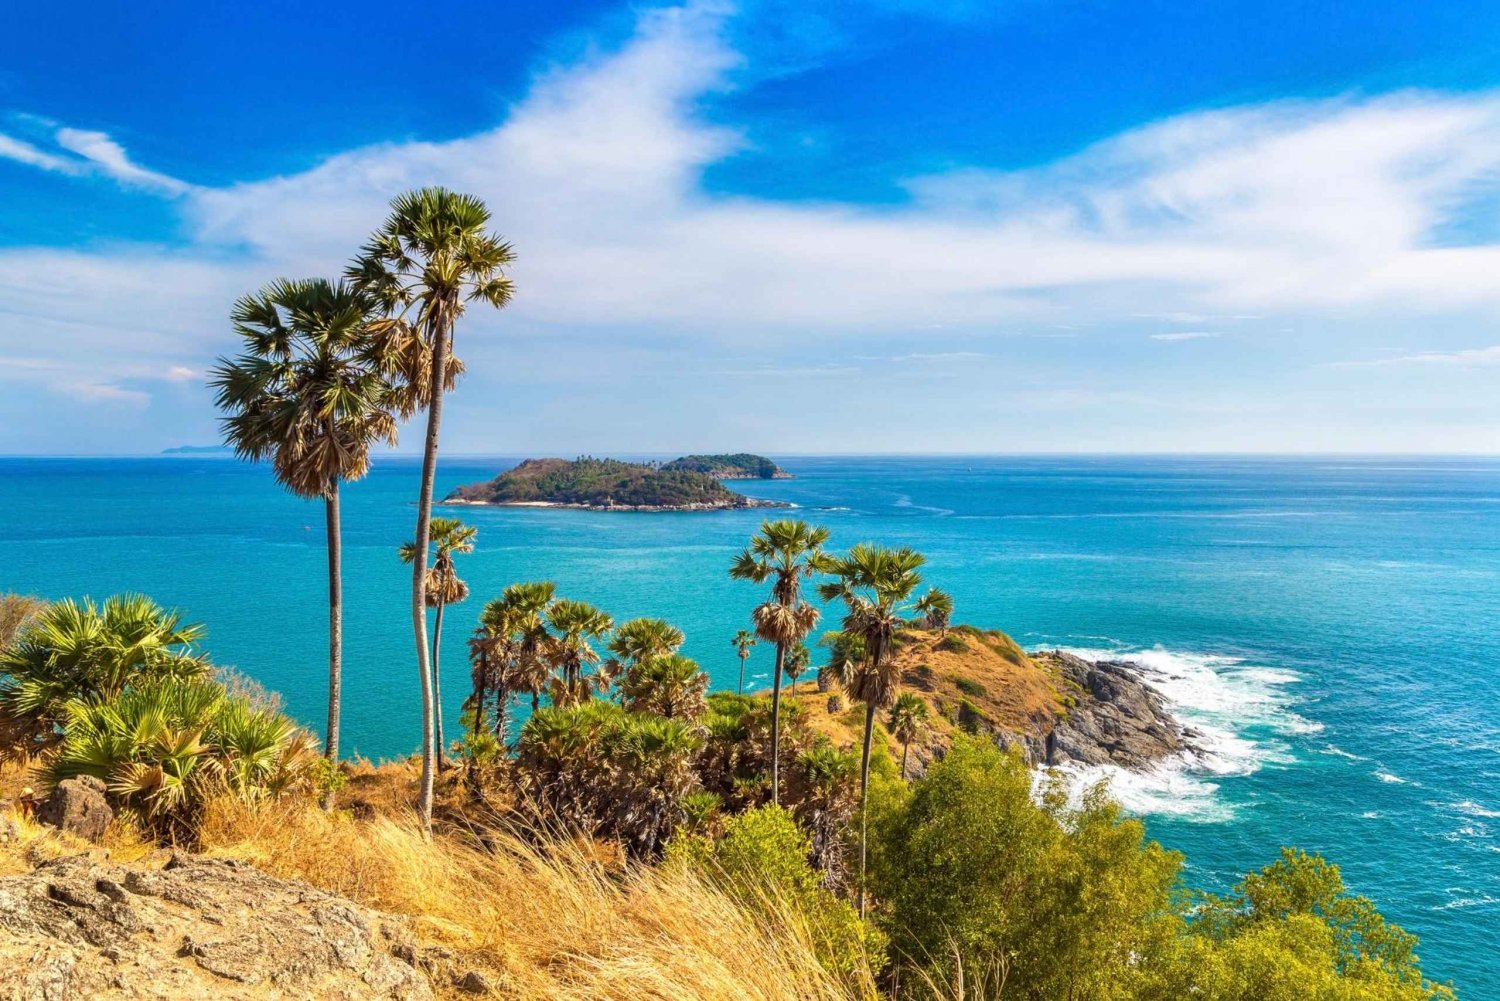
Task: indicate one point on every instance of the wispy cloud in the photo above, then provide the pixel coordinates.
(21, 151)
(1467, 358)
(81, 151)
(1185, 335)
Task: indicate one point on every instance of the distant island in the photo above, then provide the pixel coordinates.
(198, 450)
(736, 466)
(612, 485)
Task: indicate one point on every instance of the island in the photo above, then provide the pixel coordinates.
(727, 466)
(605, 485)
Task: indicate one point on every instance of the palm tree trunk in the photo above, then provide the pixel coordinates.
(864, 813)
(335, 630)
(905, 748)
(437, 687)
(742, 675)
(776, 726)
(419, 565)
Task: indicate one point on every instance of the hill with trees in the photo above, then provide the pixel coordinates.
(604, 485)
(725, 466)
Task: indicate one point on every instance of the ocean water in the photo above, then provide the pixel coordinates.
(1332, 624)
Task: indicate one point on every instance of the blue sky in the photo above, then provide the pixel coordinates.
(788, 227)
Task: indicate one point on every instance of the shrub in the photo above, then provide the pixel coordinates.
(967, 685)
(953, 643)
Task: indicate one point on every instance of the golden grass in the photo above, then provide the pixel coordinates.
(562, 923)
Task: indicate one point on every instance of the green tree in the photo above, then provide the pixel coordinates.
(909, 718)
(637, 641)
(670, 686)
(444, 587)
(576, 625)
(797, 662)
(71, 651)
(786, 553)
(742, 642)
(430, 259)
(936, 609)
(875, 584)
(308, 392)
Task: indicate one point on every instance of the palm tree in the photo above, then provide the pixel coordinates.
(444, 588)
(796, 663)
(638, 641)
(786, 552)
(71, 652)
(875, 583)
(742, 642)
(936, 609)
(908, 719)
(671, 686)
(309, 394)
(424, 265)
(529, 606)
(575, 624)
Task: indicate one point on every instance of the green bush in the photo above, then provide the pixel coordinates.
(968, 685)
(953, 643)
(762, 859)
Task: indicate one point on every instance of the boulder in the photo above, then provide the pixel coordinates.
(82, 927)
(78, 806)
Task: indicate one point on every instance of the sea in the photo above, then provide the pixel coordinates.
(1330, 624)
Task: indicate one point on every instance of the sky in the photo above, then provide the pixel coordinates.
(785, 227)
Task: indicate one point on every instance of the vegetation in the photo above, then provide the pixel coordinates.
(444, 587)
(602, 483)
(309, 393)
(15, 611)
(736, 466)
(909, 716)
(423, 267)
(743, 641)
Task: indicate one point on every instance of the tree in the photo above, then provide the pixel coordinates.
(309, 393)
(796, 663)
(72, 651)
(908, 719)
(936, 609)
(444, 588)
(874, 583)
(786, 552)
(638, 641)
(430, 259)
(670, 686)
(575, 624)
(742, 642)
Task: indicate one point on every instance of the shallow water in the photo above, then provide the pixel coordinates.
(1329, 623)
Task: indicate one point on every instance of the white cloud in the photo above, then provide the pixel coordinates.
(1467, 358)
(108, 156)
(1184, 335)
(12, 148)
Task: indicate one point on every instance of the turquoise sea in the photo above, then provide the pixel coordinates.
(1332, 623)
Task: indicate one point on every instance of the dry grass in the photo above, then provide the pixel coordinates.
(564, 923)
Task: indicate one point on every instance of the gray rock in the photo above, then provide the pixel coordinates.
(1115, 719)
(83, 927)
(78, 806)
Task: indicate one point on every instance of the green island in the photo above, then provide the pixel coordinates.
(735, 466)
(603, 826)
(612, 485)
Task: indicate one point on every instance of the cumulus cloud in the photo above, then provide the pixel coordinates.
(596, 175)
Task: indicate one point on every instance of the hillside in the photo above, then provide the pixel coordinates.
(736, 466)
(1056, 708)
(604, 485)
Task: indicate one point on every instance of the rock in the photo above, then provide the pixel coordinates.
(474, 982)
(78, 806)
(83, 927)
(1115, 719)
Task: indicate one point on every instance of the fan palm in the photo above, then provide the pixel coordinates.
(785, 552)
(444, 587)
(575, 624)
(796, 663)
(671, 686)
(309, 393)
(908, 719)
(742, 642)
(638, 641)
(82, 651)
(430, 259)
(936, 609)
(875, 584)
(508, 650)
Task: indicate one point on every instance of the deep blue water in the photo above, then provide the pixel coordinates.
(1331, 622)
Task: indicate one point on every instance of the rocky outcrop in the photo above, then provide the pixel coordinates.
(78, 806)
(1113, 718)
(85, 928)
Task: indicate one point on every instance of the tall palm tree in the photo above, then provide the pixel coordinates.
(527, 606)
(742, 642)
(671, 686)
(424, 265)
(638, 641)
(575, 624)
(785, 552)
(908, 719)
(875, 584)
(309, 394)
(444, 588)
(936, 609)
